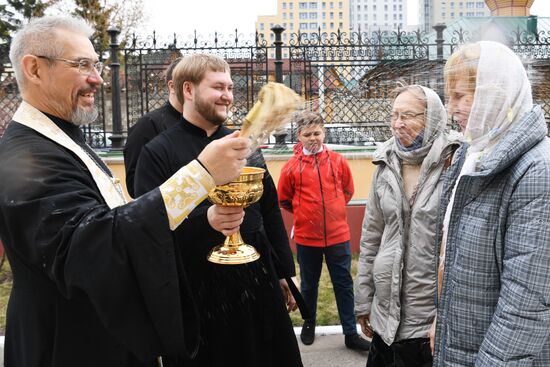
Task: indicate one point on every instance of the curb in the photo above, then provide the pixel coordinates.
(327, 330)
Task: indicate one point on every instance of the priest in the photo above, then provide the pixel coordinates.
(96, 281)
(242, 307)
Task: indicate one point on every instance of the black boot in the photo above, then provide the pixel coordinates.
(308, 332)
(354, 341)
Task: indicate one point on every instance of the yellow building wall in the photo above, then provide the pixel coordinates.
(360, 164)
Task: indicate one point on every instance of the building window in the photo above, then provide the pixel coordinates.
(324, 5)
(324, 25)
(480, 5)
(291, 26)
(270, 25)
(284, 5)
(331, 25)
(284, 16)
(290, 15)
(358, 16)
(272, 37)
(341, 25)
(470, 14)
(452, 14)
(312, 15)
(340, 15)
(302, 5)
(332, 5)
(331, 15)
(480, 14)
(340, 5)
(452, 4)
(313, 25)
(386, 16)
(262, 26)
(374, 7)
(324, 15)
(312, 5)
(470, 5)
(303, 25)
(443, 15)
(385, 8)
(291, 5)
(303, 15)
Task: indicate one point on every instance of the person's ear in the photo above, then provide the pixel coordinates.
(171, 86)
(32, 69)
(188, 88)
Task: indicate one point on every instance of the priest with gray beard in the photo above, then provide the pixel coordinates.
(95, 279)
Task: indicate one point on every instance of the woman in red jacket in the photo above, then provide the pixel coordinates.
(315, 185)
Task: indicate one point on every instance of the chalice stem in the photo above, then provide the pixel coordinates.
(233, 241)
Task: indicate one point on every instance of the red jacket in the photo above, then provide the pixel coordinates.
(316, 188)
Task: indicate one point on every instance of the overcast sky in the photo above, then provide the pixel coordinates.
(223, 16)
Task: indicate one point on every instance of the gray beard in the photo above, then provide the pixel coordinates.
(81, 116)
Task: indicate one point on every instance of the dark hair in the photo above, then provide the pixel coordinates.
(170, 69)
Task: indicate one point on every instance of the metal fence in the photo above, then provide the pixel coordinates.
(348, 78)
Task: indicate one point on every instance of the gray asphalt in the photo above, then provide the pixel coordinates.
(330, 351)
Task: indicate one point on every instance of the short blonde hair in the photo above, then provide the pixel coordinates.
(462, 64)
(192, 68)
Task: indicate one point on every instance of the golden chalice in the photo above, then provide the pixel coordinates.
(242, 192)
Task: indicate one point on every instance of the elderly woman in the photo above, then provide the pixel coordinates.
(494, 307)
(396, 279)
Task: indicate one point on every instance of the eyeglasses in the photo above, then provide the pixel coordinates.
(404, 116)
(85, 66)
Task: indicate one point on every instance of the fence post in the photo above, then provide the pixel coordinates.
(280, 133)
(439, 28)
(118, 137)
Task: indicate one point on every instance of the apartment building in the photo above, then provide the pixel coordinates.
(373, 15)
(305, 17)
(445, 11)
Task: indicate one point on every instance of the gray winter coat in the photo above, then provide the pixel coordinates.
(495, 302)
(396, 280)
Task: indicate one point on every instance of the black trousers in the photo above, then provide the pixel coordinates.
(404, 353)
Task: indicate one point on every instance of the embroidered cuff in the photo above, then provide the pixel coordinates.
(186, 189)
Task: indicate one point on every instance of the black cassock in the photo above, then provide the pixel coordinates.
(243, 317)
(142, 132)
(92, 286)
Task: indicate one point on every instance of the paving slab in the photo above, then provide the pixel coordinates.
(329, 350)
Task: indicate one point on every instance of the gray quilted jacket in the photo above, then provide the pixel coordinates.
(495, 302)
(396, 278)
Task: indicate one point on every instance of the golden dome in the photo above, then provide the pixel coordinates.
(509, 8)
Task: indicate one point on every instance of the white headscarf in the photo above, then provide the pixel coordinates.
(502, 96)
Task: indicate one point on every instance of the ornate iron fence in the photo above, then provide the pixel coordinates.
(348, 78)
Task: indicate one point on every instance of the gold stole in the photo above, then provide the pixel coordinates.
(109, 187)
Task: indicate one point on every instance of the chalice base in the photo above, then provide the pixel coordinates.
(241, 254)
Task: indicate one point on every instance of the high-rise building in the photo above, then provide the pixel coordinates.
(373, 15)
(445, 11)
(307, 17)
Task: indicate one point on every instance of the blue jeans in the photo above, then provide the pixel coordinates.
(338, 259)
